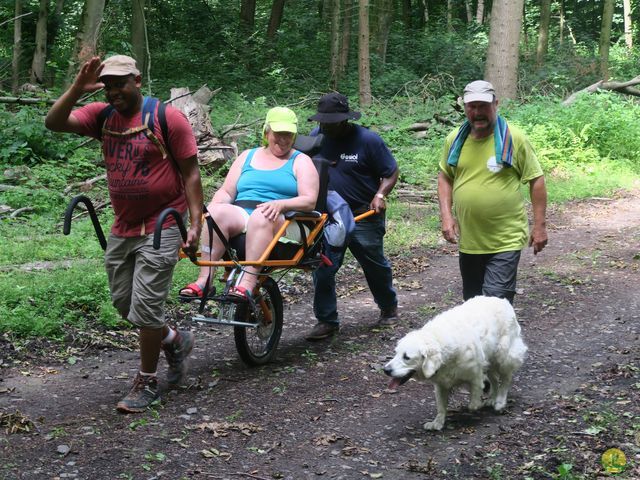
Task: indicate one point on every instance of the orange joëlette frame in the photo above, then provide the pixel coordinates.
(263, 260)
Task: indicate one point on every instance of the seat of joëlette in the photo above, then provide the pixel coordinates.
(284, 251)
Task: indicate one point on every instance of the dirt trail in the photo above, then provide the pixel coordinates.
(322, 411)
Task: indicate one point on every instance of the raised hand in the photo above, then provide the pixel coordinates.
(87, 79)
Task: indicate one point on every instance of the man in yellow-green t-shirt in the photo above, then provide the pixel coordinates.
(483, 165)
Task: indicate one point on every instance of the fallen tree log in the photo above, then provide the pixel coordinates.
(27, 100)
(85, 185)
(211, 151)
(620, 87)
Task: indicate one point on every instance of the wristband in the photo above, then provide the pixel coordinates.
(381, 196)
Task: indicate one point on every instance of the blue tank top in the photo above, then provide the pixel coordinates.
(265, 185)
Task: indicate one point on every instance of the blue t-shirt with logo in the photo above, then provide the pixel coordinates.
(358, 162)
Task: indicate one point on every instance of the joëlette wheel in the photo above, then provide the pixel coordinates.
(257, 345)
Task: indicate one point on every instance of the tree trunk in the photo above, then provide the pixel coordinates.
(17, 47)
(347, 20)
(381, 27)
(501, 68)
(467, 6)
(628, 25)
(406, 13)
(543, 31)
(605, 37)
(334, 68)
(364, 72)
(248, 14)
(211, 150)
(524, 29)
(562, 23)
(87, 35)
(275, 19)
(480, 12)
(55, 23)
(450, 15)
(423, 13)
(139, 35)
(40, 53)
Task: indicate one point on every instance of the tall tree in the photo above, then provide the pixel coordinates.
(40, 53)
(55, 23)
(364, 71)
(345, 44)
(501, 67)
(17, 47)
(467, 6)
(380, 22)
(423, 13)
(247, 14)
(543, 31)
(334, 68)
(605, 37)
(480, 12)
(87, 35)
(628, 25)
(450, 15)
(139, 34)
(562, 23)
(406, 13)
(275, 19)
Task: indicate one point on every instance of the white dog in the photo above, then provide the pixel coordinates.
(470, 344)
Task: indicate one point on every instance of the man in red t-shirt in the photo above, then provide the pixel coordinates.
(143, 180)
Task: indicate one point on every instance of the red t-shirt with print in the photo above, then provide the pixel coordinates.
(141, 183)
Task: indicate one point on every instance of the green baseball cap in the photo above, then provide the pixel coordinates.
(281, 119)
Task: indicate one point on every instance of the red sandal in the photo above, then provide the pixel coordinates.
(195, 288)
(241, 292)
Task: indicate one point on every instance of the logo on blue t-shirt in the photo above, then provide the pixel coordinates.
(349, 158)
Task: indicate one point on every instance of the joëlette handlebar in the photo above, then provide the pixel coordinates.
(66, 229)
(157, 233)
(364, 215)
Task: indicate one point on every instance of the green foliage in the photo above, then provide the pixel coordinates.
(43, 304)
(24, 139)
(597, 131)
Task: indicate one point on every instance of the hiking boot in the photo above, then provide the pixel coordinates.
(176, 354)
(322, 330)
(388, 316)
(143, 393)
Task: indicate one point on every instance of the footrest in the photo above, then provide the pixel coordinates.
(221, 321)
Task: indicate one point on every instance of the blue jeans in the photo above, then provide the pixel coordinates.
(366, 245)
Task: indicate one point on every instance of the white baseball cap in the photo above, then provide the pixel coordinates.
(479, 91)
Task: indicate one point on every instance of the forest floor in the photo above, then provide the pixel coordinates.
(322, 410)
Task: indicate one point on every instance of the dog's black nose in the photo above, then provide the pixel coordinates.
(387, 371)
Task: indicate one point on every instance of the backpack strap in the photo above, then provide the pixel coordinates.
(149, 105)
(164, 128)
(102, 117)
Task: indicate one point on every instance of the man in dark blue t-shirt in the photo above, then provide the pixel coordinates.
(363, 171)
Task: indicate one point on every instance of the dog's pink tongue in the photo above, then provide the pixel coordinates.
(393, 384)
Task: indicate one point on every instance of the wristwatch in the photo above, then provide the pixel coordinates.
(381, 196)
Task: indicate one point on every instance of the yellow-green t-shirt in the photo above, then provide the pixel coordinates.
(487, 200)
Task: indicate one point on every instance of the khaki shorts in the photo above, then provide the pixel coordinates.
(140, 276)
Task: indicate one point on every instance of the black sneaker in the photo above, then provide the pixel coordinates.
(143, 393)
(322, 330)
(176, 354)
(388, 316)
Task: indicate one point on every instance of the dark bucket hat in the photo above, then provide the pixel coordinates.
(334, 108)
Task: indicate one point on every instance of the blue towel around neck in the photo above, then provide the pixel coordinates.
(502, 139)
